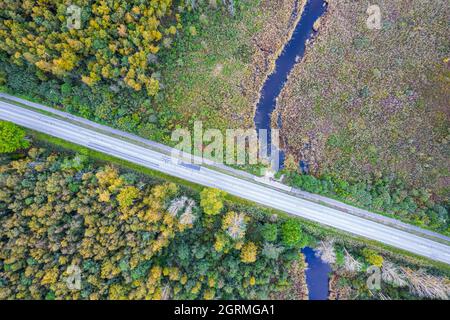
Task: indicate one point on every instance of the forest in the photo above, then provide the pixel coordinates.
(115, 40)
(131, 237)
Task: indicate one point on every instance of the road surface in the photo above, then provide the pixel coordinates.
(245, 189)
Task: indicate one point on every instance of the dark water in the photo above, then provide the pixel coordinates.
(316, 275)
(292, 53)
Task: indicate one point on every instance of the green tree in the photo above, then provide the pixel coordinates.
(269, 232)
(271, 251)
(12, 137)
(291, 233)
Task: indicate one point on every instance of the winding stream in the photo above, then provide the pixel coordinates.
(317, 271)
(292, 53)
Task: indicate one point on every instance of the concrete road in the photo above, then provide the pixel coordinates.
(239, 187)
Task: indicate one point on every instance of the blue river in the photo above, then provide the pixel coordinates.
(292, 53)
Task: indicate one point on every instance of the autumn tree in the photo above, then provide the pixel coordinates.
(127, 195)
(290, 164)
(211, 200)
(249, 252)
(373, 258)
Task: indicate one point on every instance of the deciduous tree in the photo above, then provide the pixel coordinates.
(12, 137)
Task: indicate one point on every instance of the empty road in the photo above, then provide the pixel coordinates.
(249, 190)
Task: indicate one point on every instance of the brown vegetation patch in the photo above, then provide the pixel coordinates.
(371, 101)
(298, 290)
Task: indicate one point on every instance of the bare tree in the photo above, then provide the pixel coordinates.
(326, 252)
(392, 274)
(188, 217)
(383, 296)
(165, 295)
(192, 4)
(230, 6)
(237, 226)
(350, 263)
(427, 286)
(176, 205)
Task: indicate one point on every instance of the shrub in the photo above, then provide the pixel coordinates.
(291, 233)
(373, 258)
(12, 137)
(269, 232)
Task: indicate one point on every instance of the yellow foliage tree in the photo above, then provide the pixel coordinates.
(211, 200)
(127, 195)
(249, 252)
